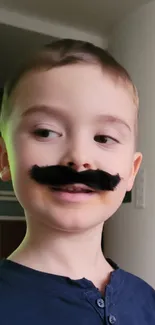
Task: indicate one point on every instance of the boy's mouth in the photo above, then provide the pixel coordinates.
(74, 188)
(73, 193)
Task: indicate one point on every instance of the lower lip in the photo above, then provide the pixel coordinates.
(72, 197)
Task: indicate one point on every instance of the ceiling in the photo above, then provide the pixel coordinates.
(96, 15)
(16, 45)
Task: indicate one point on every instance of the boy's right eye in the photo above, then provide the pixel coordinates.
(46, 133)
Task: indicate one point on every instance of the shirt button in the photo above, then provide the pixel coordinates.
(112, 319)
(100, 303)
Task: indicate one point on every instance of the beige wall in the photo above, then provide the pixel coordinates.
(130, 234)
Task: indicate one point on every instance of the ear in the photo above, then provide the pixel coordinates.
(5, 174)
(135, 168)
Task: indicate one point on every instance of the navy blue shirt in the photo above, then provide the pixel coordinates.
(30, 297)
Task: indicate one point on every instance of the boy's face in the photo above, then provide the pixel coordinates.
(91, 122)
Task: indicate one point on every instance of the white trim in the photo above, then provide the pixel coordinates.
(8, 198)
(44, 26)
(13, 218)
(7, 193)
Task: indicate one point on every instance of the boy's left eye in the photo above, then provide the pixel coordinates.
(46, 133)
(105, 139)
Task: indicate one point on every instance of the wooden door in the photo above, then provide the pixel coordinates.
(11, 235)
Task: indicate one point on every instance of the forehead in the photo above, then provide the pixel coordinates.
(81, 88)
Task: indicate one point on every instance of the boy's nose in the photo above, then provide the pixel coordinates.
(77, 158)
(79, 167)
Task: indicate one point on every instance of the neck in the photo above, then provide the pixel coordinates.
(75, 255)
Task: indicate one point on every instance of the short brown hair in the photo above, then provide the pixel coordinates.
(66, 52)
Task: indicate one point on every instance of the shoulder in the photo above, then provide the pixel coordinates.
(138, 289)
(132, 299)
(130, 283)
(134, 280)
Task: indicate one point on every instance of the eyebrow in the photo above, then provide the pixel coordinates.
(56, 112)
(113, 120)
(48, 110)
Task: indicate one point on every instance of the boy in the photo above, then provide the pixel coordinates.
(68, 127)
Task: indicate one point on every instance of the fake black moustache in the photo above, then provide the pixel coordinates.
(58, 176)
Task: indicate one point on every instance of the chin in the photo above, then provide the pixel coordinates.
(69, 219)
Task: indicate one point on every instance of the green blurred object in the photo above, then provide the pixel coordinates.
(128, 197)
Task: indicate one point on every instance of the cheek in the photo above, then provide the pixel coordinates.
(24, 154)
(118, 162)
